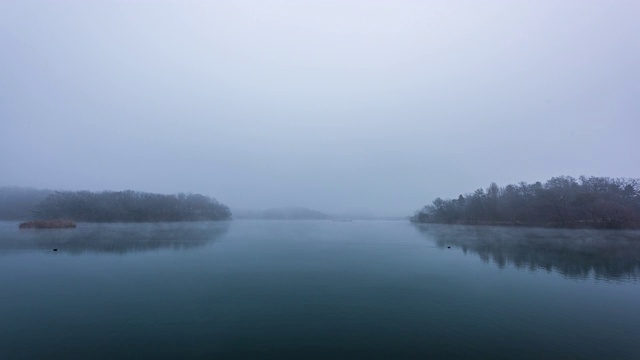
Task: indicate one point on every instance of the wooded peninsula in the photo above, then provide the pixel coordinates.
(586, 202)
(108, 206)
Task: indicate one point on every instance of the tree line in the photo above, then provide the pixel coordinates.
(291, 213)
(129, 206)
(596, 202)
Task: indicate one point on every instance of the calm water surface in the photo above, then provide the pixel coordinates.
(318, 290)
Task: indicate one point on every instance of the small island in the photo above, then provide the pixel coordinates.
(48, 224)
(564, 202)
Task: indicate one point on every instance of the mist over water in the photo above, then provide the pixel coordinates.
(317, 290)
(303, 118)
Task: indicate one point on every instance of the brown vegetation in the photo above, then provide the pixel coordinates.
(50, 224)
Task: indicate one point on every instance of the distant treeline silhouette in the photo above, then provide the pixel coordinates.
(17, 203)
(594, 202)
(129, 206)
(292, 213)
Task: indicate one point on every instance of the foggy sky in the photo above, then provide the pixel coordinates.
(332, 105)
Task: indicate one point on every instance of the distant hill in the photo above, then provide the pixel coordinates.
(291, 213)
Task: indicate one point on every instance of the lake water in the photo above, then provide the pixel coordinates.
(318, 290)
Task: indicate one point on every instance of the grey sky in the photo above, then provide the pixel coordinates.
(332, 105)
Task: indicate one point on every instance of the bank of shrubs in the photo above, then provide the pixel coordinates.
(595, 202)
(129, 206)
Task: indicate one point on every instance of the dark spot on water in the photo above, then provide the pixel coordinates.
(448, 247)
(55, 249)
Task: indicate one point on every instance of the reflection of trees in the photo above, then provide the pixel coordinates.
(115, 238)
(605, 254)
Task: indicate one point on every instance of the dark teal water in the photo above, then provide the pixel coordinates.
(318, 290)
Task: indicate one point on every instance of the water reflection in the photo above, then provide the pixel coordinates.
(604, 254)
(112, 238)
